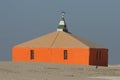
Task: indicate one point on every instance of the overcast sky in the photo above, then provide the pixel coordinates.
(94, 20)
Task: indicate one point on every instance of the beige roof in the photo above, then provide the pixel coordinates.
(59, 39)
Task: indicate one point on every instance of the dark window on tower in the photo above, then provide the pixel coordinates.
(31, 54)
(65, 54)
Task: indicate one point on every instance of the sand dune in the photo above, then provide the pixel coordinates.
(46, 71)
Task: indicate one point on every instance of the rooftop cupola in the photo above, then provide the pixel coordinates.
(62, 25)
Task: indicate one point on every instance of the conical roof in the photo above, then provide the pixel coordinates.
(59, 39)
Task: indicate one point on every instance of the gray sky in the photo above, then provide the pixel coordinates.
(95, 20)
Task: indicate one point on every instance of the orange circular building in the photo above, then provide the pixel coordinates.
(61, 47)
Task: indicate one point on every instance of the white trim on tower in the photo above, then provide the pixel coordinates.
(62, 23)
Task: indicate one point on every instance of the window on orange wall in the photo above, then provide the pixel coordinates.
(65, 54)
(31, 54)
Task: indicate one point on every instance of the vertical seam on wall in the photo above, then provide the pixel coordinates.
(89, 62)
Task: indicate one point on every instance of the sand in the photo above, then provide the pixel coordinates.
(47, 71)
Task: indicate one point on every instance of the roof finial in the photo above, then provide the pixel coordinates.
(63, 13)
(62, 25)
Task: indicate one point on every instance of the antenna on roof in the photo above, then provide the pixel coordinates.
(63, 13)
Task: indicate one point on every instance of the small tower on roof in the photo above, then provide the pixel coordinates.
(62, 25)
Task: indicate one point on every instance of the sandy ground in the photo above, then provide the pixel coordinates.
(108, 77)
(46, 71)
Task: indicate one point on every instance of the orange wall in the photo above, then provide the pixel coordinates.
(54, 55)
(103, 61)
